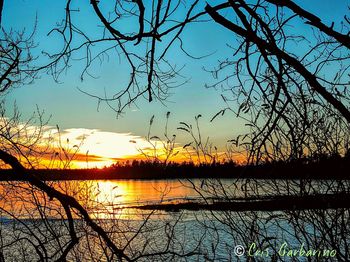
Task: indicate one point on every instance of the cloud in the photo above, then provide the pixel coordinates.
(103, 143)
(93, 147)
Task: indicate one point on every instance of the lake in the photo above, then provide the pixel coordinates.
(32, 224)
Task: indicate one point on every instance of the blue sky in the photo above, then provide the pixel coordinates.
(72, 109)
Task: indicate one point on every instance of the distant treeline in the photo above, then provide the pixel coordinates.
(323, 167)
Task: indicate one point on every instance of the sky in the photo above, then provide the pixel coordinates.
(105, 134)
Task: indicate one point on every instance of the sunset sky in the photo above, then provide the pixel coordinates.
(105, 136)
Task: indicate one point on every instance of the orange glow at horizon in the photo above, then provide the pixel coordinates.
(93, 148)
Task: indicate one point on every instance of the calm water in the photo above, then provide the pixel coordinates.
(105, 197)
(27, 213)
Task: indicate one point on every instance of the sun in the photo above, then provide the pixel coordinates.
(97, 149)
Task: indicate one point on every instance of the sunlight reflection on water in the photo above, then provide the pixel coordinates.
(102, 198)
(129, 192)
(114, 198)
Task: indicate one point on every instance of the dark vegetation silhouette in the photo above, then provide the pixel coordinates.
(326, 167)
(296, 108)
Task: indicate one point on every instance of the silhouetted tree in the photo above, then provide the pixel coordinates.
(286, 84)
(292, 98)
(292, 86)
(21, 146)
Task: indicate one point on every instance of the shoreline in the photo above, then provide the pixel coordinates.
(332, 169)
